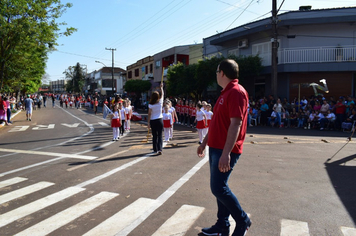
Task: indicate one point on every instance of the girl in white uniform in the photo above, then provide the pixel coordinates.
(116, 123)
(167, 123)
(201, 122)
(209, 115)
(128, 114)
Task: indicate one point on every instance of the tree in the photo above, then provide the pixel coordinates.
(76, 78)
(28, 32)
(193, 80)
(137, 86)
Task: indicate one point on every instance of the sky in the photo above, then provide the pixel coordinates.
(141, 28)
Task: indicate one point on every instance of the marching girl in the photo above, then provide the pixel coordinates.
(167, 123)
(192, 113)
(172, 110)
(201, 122)
(128, 113)
(186, 113)
(123, 116)
(209, 115)
(116, 123)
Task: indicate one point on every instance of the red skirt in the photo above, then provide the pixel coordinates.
(167, 124)
(201, 124)
(127, 116)
(208, 123)
(115, 123)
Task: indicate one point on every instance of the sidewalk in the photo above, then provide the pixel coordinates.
(2, 124)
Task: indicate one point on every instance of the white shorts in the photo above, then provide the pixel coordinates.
(28, 110)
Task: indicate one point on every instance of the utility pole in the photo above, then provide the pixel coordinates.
(274, 40)
(112, 72)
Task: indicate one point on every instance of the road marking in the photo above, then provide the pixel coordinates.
(294, 228)
(103, 124)
(166, 195)
(12, 181)
(31, 152)
(37, 205)
(54, 222)
(122, 219)
(348, 231)
(19, 128)
(43, 127)
(180, 222)
(75, 125)
(24, 191)
(97, 160)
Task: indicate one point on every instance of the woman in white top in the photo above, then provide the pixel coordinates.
(155, 121)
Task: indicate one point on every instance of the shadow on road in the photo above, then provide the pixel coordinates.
(343, 178)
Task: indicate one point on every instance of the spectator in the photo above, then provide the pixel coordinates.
(340, 110)
(317, 106)
(350, 121)
(264, 112)
(328, 120)
(325, 107)
(278, 108)
(293, 116)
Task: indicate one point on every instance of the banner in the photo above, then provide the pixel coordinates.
(106, 111)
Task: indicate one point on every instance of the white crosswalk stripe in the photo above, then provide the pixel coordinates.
(12, 181)
(122, 219)
(122, 222)
(294, 228)
(24, 191)
(180, 222)
(348, 231)
(49, 225)
(30, 208)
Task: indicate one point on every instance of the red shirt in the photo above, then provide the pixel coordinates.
(186, 109)
(233, 102)
(340, 108)
(178, 108)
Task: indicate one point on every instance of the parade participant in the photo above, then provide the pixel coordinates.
(193, 114)
(155, 121)
(28, 106)
(167, 123)
(122, 114)
(95, 104)
(186, 113)
(201, 122)
(172, 110)
(128, 114)
(225, 139)
(178, 109)
(209, 115)
(115, 123)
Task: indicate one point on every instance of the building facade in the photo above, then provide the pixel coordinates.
(58, 86)
(101, 81)
(313, 45)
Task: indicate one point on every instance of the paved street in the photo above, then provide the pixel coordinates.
(60, 174)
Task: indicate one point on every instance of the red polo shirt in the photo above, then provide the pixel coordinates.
(233, 102)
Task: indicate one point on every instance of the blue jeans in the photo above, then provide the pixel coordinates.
(226, 200)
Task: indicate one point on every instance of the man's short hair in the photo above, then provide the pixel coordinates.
(230, 68)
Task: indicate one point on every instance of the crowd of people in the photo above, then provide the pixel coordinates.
(317, 112)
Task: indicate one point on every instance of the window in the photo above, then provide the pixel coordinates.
(151, 68)
(233, 52)
(146, 70)
(137, 72)
(129, 74)
(158, 64)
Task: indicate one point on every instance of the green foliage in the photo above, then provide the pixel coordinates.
(28, 32)
(137, 86)
(76, 78)
(193, 79)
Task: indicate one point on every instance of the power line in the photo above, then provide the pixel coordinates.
(240, 14)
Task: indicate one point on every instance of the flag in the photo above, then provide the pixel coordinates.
(106, 111)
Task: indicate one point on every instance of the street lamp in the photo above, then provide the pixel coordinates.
(101, 63)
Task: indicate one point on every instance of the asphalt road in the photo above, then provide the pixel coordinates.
(60, 174)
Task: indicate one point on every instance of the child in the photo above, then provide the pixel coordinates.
(174, 116)
(167, 123)
(96, 104)
(123, 116)
(116, 123)
(193, 114)
(201, 122)
(209, 115)
(128, 113)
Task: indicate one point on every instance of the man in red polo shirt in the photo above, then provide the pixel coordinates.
(225, 139)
